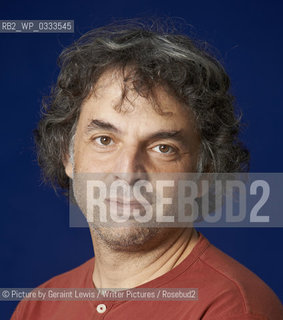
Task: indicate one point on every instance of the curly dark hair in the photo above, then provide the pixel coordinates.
(157, 58)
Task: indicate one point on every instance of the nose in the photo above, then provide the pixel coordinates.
(129, 165)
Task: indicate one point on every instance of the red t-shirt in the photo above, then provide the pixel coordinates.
(226, 291)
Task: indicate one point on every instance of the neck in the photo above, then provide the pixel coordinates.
(122, 269)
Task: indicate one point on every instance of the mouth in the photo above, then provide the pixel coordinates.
(129, 207)
(133, 204)
(128, 211)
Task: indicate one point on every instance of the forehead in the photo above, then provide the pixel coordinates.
(110, 101)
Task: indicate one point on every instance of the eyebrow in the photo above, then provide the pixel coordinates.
(176, 135)
(100, 124)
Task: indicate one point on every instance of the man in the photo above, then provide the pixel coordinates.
(129, 102)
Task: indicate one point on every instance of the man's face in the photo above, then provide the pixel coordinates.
(132, 140)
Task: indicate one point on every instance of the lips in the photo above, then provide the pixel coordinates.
(127, 203)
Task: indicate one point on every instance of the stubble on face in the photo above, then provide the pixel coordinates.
(131, 237)
(128, 238)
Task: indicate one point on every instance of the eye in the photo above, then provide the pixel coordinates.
(103, 140)
(164, 148)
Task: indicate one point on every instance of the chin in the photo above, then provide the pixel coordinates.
(126, 238)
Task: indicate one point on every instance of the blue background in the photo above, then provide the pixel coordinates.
(36, 242)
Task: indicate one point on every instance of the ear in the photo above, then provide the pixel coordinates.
(68, 164)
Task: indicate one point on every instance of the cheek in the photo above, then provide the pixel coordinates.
(187, 164)
(184, 165)
(83, 160)
(87, 161)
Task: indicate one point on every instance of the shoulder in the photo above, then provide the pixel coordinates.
(234, 288)
(79, 277)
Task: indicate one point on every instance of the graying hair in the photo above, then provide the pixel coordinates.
(156, 58)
